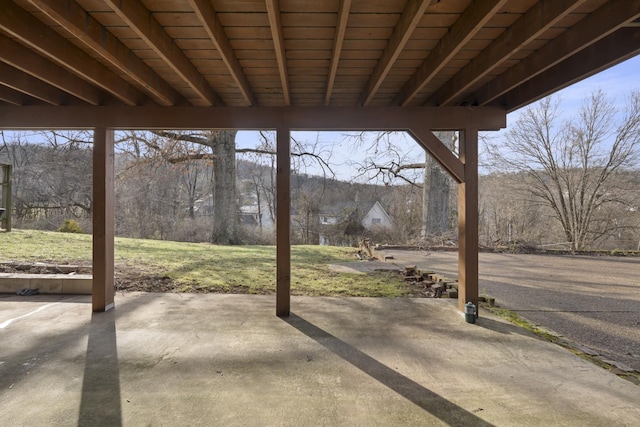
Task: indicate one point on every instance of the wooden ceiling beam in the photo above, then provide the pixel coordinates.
(87, 29)
(32, 33)
(294, 118)
(35, 88)
(275, 23)
(539, 18)
(409, 20)
(338, 42)
(605, 53)
(140, 20)
(29, 62)
(10, 96)
(35, 35)
(613, 15)
(475, 16)
(210, 21)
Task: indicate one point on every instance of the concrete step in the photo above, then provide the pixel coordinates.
(47, 283)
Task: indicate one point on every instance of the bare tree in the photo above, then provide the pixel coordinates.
(572, 166)
(219, 148)
(261, 173)
(221, 151)
(52, 176)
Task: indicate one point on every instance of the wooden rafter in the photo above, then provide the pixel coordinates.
(338, 42)
(527, 28)
(42, 39)
(409, 19)
(209, 18)
(79, 23)
(11, 96)
(613, 15)
(471, 21)
(275, 23)
(145, 25)
(35, 65)
(35, 88)
(621, 45)
(253, 53)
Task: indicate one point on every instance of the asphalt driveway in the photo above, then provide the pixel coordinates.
(591, 301)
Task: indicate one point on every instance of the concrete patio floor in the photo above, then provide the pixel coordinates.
(205, 359)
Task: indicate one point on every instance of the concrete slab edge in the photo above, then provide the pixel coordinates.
(47, 283)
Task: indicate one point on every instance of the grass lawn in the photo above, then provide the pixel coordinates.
(203, 267)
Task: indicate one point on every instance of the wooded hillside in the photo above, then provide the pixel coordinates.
(158, 199)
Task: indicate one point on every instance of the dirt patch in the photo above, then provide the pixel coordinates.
(43, 268)
(128, 278)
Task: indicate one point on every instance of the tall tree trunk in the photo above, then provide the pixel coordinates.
(424, 230)
(436, 192)
(225, 211)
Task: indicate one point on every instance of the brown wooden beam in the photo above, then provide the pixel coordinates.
(103, 289)
(610, 17)
(538, 19)
(283, 222)
(88, 30)
(338, 41)
(31, 32)
(475, 16)
(138, 17)
(31, 63)
(275, 23)
(619, 46)
(468, 220)
(440, 152)
(11, 96)
(35, 88)
(409, 20)
(296, 118)
(208, 16)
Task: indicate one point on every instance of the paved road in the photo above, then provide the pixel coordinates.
(592, 301)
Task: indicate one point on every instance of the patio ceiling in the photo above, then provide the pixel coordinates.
(304, 53)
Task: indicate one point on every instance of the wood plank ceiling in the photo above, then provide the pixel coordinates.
(275, 53)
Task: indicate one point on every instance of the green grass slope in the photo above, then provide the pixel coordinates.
(202, 267)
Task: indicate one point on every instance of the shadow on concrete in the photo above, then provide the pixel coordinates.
(100, 401)
(431, 402)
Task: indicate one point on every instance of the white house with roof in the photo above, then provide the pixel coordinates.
(369, 214)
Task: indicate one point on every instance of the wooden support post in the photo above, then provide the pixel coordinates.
(103, 290)
(468, 220)
(7, 178)
(283, 223)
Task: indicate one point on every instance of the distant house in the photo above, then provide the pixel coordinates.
(368, 214)
(355, 216)
(253, 216)
(249, 214)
